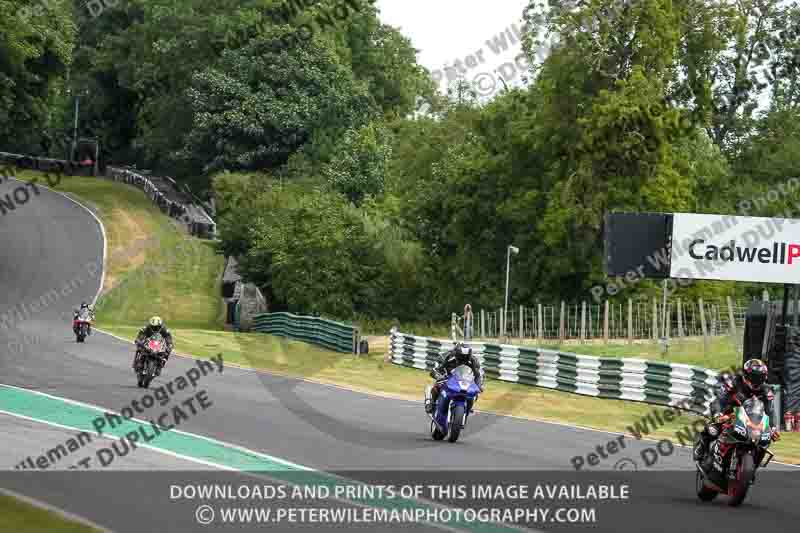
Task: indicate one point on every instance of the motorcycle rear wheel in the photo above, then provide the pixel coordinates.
(744, 477)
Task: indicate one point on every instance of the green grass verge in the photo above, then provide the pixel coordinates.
(22, 517)
(722, 352)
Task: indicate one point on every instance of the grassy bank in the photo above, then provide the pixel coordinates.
(21, 517)
(153, 266)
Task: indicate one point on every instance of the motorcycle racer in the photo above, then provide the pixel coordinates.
(461, 354)
(155, 325)
(77, 312)
(731, 392)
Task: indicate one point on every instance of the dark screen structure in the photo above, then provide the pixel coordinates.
(632, 240)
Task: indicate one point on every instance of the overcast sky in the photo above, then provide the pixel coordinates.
(448, 30)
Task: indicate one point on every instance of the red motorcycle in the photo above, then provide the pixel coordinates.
(81, 325)
(149, 359)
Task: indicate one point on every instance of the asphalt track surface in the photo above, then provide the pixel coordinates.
(51, 241)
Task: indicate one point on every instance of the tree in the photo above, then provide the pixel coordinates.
(360, 168)
(260, 104)
(321, 259)
(36, 41)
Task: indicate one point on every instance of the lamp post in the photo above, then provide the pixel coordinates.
(77, 94)
(515, 250)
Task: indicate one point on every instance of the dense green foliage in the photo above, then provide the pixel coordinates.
(36, 43)
(342, 200)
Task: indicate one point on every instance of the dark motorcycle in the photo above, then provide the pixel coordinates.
(150, 354)
(81, 325)
(732, 459)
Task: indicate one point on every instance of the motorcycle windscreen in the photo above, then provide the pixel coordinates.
(464, 373)
(754, 409)
(83, 315)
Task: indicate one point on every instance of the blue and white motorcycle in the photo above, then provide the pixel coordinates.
(457, 395)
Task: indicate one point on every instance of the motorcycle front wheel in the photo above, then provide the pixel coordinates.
(744, 477)
(149, 373)
(704, 493)
(435, 433)
(456, 422)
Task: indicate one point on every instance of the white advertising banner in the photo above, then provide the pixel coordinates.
(730, 248)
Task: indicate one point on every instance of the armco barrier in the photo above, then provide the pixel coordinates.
(326, 333)
(604, 377)
(164, 192)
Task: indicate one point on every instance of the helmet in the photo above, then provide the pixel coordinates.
(754, 373)
(156, 323)
(84, 305)
(463, 351)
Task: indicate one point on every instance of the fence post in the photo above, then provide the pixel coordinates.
(655, 319)
(502, 330)
(483, 324)
(583, 322)
(714, 320)
(561, 324)
(540, 331)
(680, 318)
(703, 324)
(392, 333)
(731, 317)
(521, 322)
(630, 321)
(466, 322)
(605, 324)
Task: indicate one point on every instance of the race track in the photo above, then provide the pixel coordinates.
(52, 252)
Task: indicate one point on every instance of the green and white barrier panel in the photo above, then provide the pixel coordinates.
(314, 330)
(604, 377)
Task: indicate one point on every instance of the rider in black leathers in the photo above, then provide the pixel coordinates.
(461, 354)
(155, 325)
(731, 392)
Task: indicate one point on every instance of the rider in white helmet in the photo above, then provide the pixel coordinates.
(77, 312)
